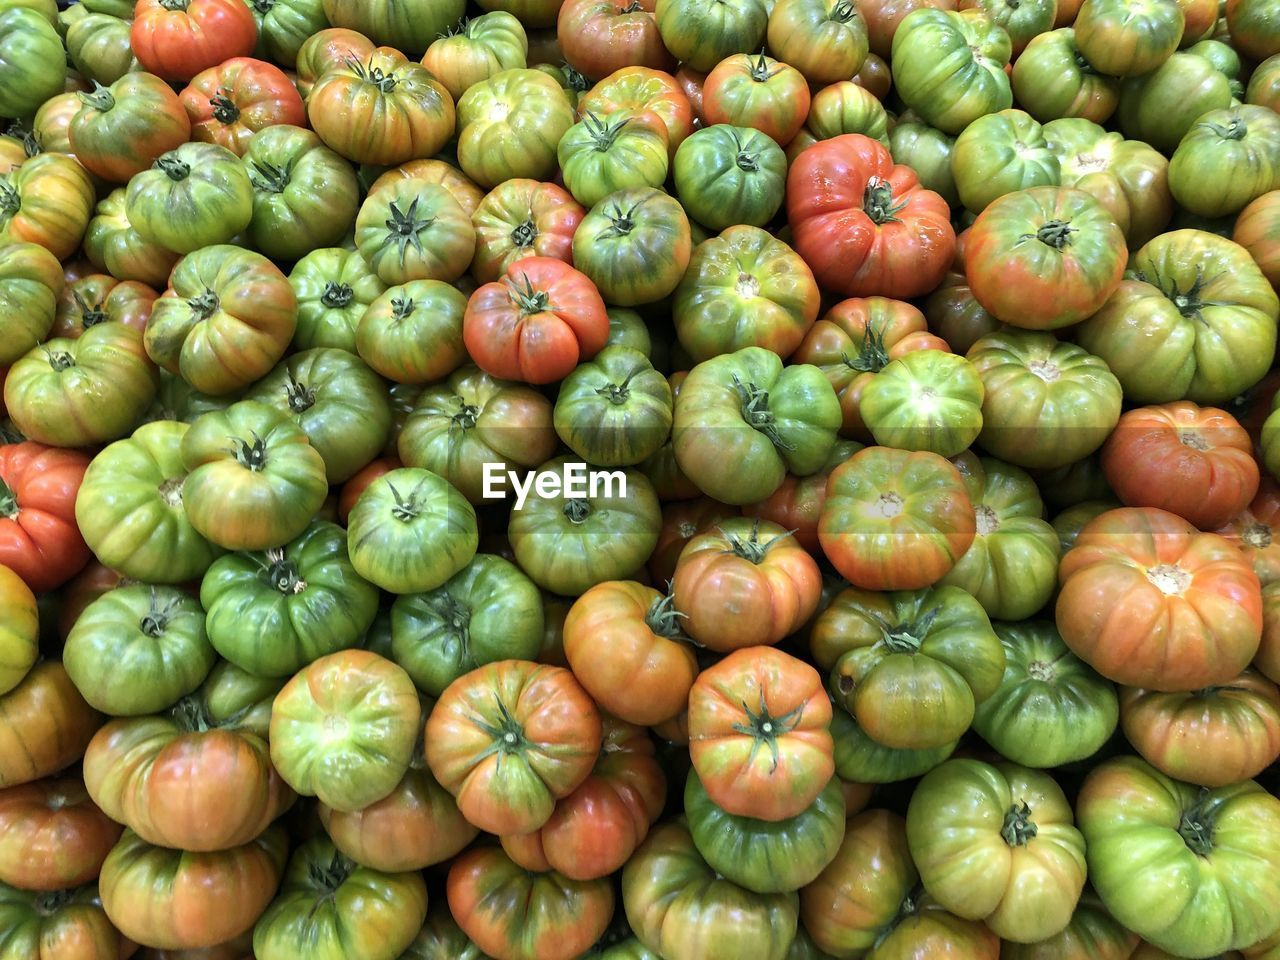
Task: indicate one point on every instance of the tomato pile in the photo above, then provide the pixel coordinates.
(639, 479)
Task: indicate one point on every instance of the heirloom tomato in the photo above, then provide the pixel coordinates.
(47, 201)
(614, 409)
(1051, 707)
(1127, 38)
(284, 26)
(953, 313)
(757, 91)
(226, 319)
(408, 25)
(413, 332)
(197, 777)
(120, 130)
(826, 40)
(19, 631)
(39, 538)
(327, 50)
(45, 724)
(35, 65)
(509, 125)
(860, 759)
(1227, 159)
(1076, 90)
(412, 229)
(682, 909)
(1203, 312)
(518, 914)
(727, 175)
(1193, 870)
(176, 39)
(536, 323)
(1092, 934)
(840, 108)
(1256, 531)
(98, 47)
(59, 925)
(997, 843)
(1257, 229)
(758, 733)
(927, 151)
(797, 504)
(640, 89)
(411, 531)
(97, 298)
(229, 103)
(1023, 21)
(1252, 28)
(702, 36)
(197, 195)
(743, 288)
(31, 284)
(1264, 83)
(344, 729)
(54, 836)
(634, 245)
(909, 666)
(895, 520)
(1162, 106)
(111, 244)
(1148, 601)
(523, 218)
(999, 154)
(475, 49)
(1214, 737)
(599, 37)
(333, 286)
(924, 400)
(460, 425)
(863, 223)
(745, 583)
(511, 738)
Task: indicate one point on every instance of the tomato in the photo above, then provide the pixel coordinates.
(523, 218)
(596, 829)
(60, 925)
(47, 201)
(640, 89)
(1162, 106)
(1252, 28)
(1092, 934)
(840, 108)
(634, 245)
(20, 633)
(210, 750)
(1148, 836)
(1214, 737)
(262, 490)
(31, 283)
(1022, 21)
(415, 826)
(98, 47)
(759, 92)
(343, 729)
(35, 64)
(1045, 403)
(80, 392)
(55, 837)
(415, 230)
(762, 856)
(863, 223)
(537, 323)
(744, 288)
(1194, 461)
(472, 419)
(462, 188)
(98, 298)
(574, 533)
(176, 39)
(855, 340)
(625, 644)
(112, 244)
(1148, 601)
(742, 422)
(511, 738)
(797, 504)
(997, 843)
(758, 734)
(826, 40)
(197, 195)
(1255, 531)
(895, 520)
(949, 67)
(412, 333)
(39, 538)
(1228, 159)
(334, 287)
(227, 104)
(305, 196)
(517, 914)
(120, 130)
(727, 175)
(408, 25)
(1204, 312)
(598, 37)
(682, 909)
(509, 126)
(1263, 83)
(45, 725)
(1256, 229)
(744, 584)
(411, 531)
(476, 49)
(226, 319)
(701, 36)
(924, 400)
(1076, 88)
(1121, 38)
(999, 154)
(615, 409)
(326, 50)
(284, 26)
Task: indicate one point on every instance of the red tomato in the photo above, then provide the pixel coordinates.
(176, 40)
(1194, 461)
(864, 224)
(229, 103)
(601, 36)
(39, 539)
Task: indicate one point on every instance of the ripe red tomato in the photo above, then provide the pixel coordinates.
(178, 40)
(229, 103)
(39, 539)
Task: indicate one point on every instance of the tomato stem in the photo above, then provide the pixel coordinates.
(1196, 826)
(878, 202)
(664, 619)
(751, 548)
(910, 904)
(529, 300)
(173, 167)
(385, 82)
(1234, 129)
(336, 295)
(283, 574)
(525, 234)
(577, 510)
(250, 455)
(907, 637)
(300, 397)
(268, 178)
(100, 98)
(204, 306)
(1055, 233)
(766, 728)
(10, 199)
(465, 418)
(761, 68)
(61, 360)
(1019, 829)
(47, 904)
(603, 133)
(872, 356)
(90, 314)
(507, 733)
(618, 393)
(224, 108)
(842, 12)
(331, 877)
(8, 501)
(156, 619)
(756, 412)
(404, 229)
(404, 510)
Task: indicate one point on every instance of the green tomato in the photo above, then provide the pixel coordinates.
(138, 650)
(600, 155)
(98, 46)
(305, 196)
(410, 531)
(510, 125)
(1127, 38)
(284, 25)
(334, 287)
(412, 333)
(30, 919)
(765, 856)
(442, 939)
(1051, 708)
(614, 409)
(330, 908)
(195, 196)
(925, 400)
(726, 175)
(340, 404)
(344, 728)
(742, 423)
(701, 34)
(927, 151)
(31, 280)
(35, 65)
(413, 229)
(488, 611)
(1226, 160)
(1161, 106)
(1001, 153)
(628, 329)
(634, 245)
(1051, 80)
(860, 759)
(273, 613)
(575, 530)
(129, 508)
